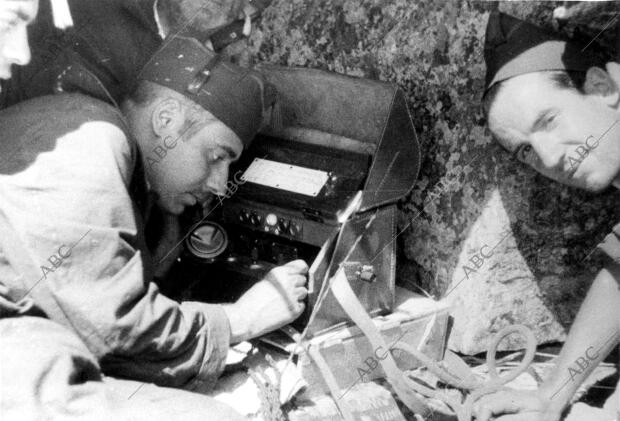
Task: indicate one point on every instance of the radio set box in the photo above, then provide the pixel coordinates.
(329, 138)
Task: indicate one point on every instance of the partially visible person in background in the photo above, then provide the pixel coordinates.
(15, 16)
(556, 107)
(108, 43)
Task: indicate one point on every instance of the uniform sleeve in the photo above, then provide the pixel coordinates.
(70, 205)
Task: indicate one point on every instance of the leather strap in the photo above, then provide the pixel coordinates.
(330, 380)
(403, 386)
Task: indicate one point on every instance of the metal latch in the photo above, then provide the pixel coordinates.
(355, 271)
(203, 76)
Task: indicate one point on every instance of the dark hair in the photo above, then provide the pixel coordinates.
(147, 92)
(561, 78)
(568, 80)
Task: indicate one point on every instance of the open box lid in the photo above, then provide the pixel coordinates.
(349, 113)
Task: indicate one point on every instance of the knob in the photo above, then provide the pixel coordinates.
(207, 241)
(244, 216)
(254, 219)
(294, 229)
(333, 179)
(271, 219)
(367, 274)
(283, 225)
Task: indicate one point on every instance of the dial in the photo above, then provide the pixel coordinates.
(207, 241)
(271, 219)
(283, 225)
(244, 216)
(294, 229)
(254, 219)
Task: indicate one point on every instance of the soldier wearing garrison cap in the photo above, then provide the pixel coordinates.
(97, 47)
(78, 180)
(555, 106)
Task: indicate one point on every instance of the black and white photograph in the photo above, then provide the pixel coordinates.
(309, 210)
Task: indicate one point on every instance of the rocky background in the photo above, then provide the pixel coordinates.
(470, 192)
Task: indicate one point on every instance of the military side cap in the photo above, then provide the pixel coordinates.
(237, 96)
(513, 47)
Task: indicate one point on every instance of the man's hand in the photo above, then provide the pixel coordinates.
(271, 303)
(518, 405)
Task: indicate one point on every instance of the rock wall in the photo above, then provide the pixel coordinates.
(539, 236)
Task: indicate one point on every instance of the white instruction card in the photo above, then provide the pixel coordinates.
(288, 177)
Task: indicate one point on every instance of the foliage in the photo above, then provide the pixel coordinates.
(433, 50)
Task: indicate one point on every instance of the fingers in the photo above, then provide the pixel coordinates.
(483, 413)
(297, 308)
(296, 303)
(298, 266)
(298, 280)
(301, 293)
(290, 280)
(294, 280)
(505, 403)
(301, 307)
(525, 416)
(490, 405)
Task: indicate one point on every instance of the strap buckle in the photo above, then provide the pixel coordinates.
(202, 77)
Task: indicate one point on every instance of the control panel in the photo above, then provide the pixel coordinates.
(270, 222)
(283, 223)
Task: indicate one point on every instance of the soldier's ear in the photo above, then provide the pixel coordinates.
(599, 82)
(166, 117)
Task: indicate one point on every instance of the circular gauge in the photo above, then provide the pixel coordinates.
(207, 241)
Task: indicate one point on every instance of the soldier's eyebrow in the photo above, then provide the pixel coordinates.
(232, 155)
(540, 119)
(22, 15)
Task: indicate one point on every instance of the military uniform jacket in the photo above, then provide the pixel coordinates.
(72, 196)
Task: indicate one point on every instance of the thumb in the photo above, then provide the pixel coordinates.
(298, 266)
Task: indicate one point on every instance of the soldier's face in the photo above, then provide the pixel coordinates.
(191, 171)
(15, 15)
(568, 136)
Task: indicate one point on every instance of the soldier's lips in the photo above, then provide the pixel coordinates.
(188, 199)
(191, 199)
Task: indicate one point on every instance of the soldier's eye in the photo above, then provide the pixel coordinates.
(216, 157)
(523, 153)
(8, 25)
(550, 118)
